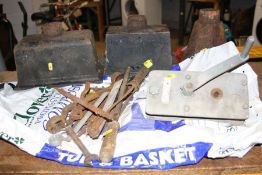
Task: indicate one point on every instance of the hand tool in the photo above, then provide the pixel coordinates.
(109, 141)
(52, 125)
(133, 86)
(95, 130)
(89, 106)
(88, 156)
(56, 139)
(71, 133)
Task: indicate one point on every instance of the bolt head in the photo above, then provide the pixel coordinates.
(189, 85)
(216, 93)
(154, 90)
(188, 77)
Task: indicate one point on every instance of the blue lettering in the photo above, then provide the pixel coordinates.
(44, 124)
(190, 153)
(62, 156)
(53, 113)
(52, 101)
(73, 158)
(75, 87)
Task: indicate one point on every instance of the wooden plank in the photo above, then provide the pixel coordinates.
(13, 160)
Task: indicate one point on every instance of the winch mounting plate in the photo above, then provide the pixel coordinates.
(223, 98)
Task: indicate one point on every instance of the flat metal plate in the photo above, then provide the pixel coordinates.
(198, 120)
(225, 97)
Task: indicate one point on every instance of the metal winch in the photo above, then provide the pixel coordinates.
(212, 94)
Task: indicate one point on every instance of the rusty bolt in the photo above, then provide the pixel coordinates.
(189, 85)
(216, 93)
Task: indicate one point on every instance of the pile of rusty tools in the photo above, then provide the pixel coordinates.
(95, 110)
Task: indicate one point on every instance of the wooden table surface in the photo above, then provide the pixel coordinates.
(15, 161)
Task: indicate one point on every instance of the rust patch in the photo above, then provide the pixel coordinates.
(189, 85)
(216, 93)
(52, 29)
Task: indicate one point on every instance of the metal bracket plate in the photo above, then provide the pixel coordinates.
(225, 97)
